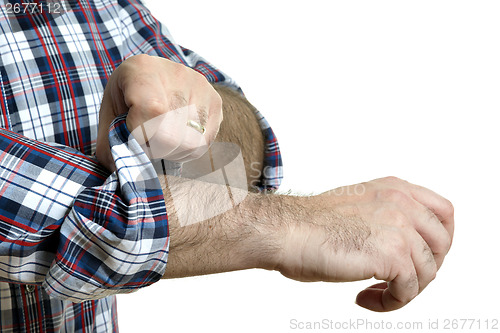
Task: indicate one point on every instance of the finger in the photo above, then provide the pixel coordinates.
(424, 262)
(378, 300)
(114, 94)
(371, 297)
(435, 235)
(381, 285)
(428, 226)
(163, 134)
(441, 207)
(402, 289)
(147, 100)
(383, 297)
(194, 143)
(402, 285)
(144, 129)
(209, 115)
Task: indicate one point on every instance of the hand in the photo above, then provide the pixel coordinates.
(160, 97)
(387, 228)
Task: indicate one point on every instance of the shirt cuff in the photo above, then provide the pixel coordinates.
(115, 238)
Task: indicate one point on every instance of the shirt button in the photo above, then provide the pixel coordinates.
(30, 288)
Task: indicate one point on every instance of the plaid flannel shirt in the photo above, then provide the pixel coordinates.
(71, 234)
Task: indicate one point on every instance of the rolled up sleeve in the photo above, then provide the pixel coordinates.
(68, 224)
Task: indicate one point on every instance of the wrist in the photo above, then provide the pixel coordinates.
(264, 229)
(273, 221)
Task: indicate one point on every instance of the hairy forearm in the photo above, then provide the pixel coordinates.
(266, 231)
(246, 236)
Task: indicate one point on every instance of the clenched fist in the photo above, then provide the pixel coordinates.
(173, 111)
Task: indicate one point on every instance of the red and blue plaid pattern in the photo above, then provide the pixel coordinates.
(71, 234)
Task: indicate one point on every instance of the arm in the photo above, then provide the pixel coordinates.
(391, 230)
(388, 233)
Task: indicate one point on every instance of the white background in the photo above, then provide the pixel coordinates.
(354, 90)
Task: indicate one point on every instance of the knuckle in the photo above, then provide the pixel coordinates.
(140, 60)
(413, 289)
(179, 72)
(187, 74)
(393, 195)
(399, 247)
(448, 208)
(177, 100)
(392, 180)
(202, 114)
(447, 244)
(154, 108)
(431, 265)
(433, 274)
(443, 245)
(430, 275)
(409, 286)
(397, 218)
(200, 78)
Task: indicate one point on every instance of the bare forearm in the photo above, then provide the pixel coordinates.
(246, 236)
